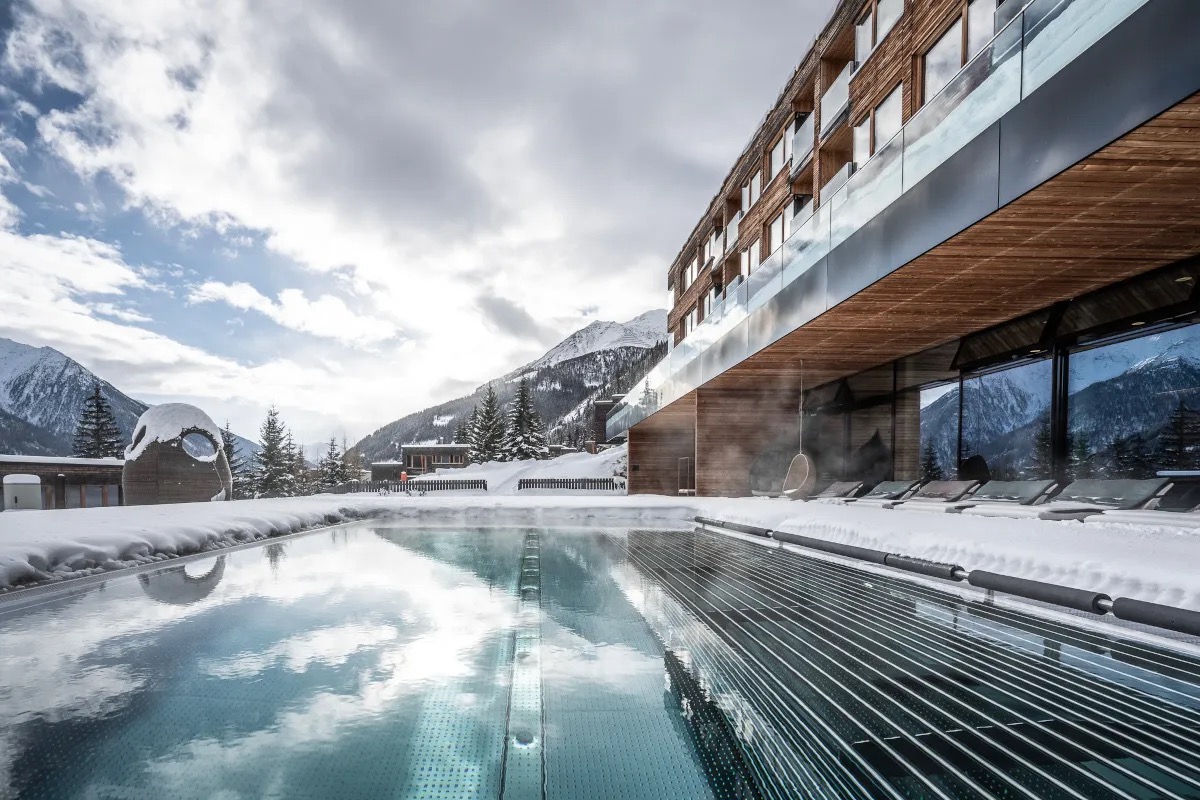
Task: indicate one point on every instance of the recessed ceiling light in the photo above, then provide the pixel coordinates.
(1184, 279)
(1136, 324)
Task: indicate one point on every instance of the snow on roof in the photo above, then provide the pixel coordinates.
(451, 445)
(64, 460)
(391, 463)
(18, 478)
(165, 422)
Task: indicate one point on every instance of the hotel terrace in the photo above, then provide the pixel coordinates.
(947, 198)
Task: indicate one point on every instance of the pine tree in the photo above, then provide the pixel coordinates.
(1081, 462)
(351, 463)
(472, 427)
(332, 469)
(302, 483)
(97, 435)
(462, 432)
(273, 462)
(237, 464)
(649, 398)
(526, 437)
(931, 470)
(487, 436)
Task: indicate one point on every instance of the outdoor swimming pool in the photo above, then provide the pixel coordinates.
(374, 661)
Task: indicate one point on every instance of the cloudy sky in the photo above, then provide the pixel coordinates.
(355, 208)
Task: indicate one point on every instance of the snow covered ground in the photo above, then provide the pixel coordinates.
(1156, 563)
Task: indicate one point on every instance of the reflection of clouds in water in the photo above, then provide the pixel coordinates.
(47, 672)
(327, 646)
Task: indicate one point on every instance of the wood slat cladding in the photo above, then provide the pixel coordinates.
(657, 444)
(1129, 208)
(732, 428)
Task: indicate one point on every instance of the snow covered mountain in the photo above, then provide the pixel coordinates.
(42, 392)
(642, 332)
(599, 360)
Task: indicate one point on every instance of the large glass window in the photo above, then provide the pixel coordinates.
(889, 117)
(887, 14)
(879, 18)
(937, 456)
(755, 187)
(1006, 423)
(981, 24)
(943, 60)
(775, 234)
(862, 141)
(776, 164)
(1133, 407)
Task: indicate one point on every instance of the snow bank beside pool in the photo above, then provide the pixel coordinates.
(37, 546)
(1154, 563)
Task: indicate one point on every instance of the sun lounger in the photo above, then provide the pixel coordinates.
(837, 490)
(1005, 494)
(1081, 499)
(935, 496)
(884, 492)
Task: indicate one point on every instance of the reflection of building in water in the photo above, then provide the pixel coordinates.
(713, 739)
(176, 587)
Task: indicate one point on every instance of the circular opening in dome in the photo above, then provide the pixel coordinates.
(198, 445)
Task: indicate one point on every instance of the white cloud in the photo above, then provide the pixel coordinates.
(327, 316)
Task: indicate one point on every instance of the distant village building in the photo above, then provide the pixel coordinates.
(418, 459)
(68, 482)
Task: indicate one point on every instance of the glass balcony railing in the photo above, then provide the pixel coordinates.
(802, 142)
(1039, 41)
(836, 98)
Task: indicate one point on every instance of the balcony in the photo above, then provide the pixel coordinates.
(836, 100)
(802, 143)
(1039, 42)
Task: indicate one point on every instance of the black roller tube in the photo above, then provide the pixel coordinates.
(936, 569)
(734, 526)
(1079, 599)
(847, 550)
(1174, 619)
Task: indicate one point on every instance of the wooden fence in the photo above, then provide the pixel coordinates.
(413, 486)
(578, 484)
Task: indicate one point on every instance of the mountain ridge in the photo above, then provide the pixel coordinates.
(597, 360)
(42, 392)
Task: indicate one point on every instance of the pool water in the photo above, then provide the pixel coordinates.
(403, 662)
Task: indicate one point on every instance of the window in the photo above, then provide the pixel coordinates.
(889, 117)
(776, 163)
(1006, 421)
(943, 60)
(755, 188)
(750, 257)
(975, 27)
(1129, 415)
(879, 126)
(862, 140)
(879, 18)
(775, 234)
(981, 25)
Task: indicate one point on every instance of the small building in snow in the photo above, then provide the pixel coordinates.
(418, 459)
(69, 482)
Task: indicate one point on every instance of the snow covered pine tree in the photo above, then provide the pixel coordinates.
(488, 433)
(332, 468)
(97, 435)
(526, 437)
(273, 462)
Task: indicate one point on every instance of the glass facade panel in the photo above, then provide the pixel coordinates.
(776, 158)
(981, 24)
(863, 40)
(889, 116)
(943, 61)
(862, 141)
(887, 13)
(94, 496)
(776, 234)
(1006, 422)
(1133, 407)
(938, 412)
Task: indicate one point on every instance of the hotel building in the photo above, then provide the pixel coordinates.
(969, 230)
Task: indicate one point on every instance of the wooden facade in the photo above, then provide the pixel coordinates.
(70, 482)
(1123, 209)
